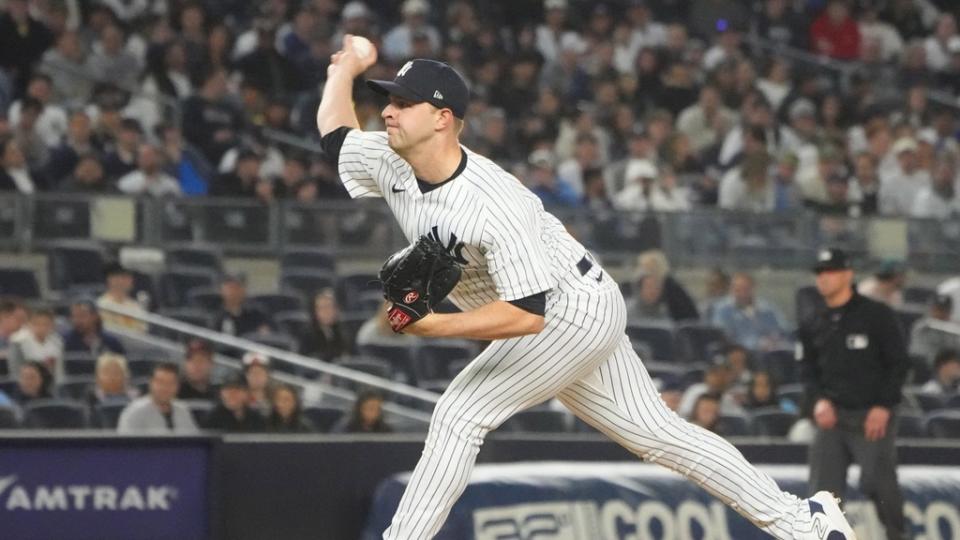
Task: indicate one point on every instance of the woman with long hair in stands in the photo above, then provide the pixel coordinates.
(286, 414)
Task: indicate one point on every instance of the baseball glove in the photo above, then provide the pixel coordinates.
(416, 279)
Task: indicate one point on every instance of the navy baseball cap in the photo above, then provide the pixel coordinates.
(422, 80)
(831, 259)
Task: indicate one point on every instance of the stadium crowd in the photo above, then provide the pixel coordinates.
(840, 107)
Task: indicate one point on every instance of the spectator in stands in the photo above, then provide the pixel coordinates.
(211, 122)
(865, 186)
(183, 162)
(706, 121)
(716, 289)
(110, 61)
(244, 180)
(738, 360)
(946, 374)
(326, 338)
(119, 281)
(197, 381)
(233, 414)
(717, 381)
(778, 22)
(762, 394)
(66, 66)
(939, 200)
(38, 341)
(659, 295)
(286, 415)
(87, 177)
(51, 125)
(543, 181)
(886, 284)
(753, 322)
(15, 174)
(637, 194)
(66, 153)
(936, 330)
(706, 412)
(12, 316)
(549, 32)
(34, 381)
(951, 288)
(149, 178)
(366, 417)
(159, 411)
(265, 68)
(237, 318)
(900, 185)
(671, 392)
(376, 331)
(835, 33)
(86, 334)
(398, 42)
(749, 187)
(23, 39)
(256, 369)
(123, 158)
(112, 384)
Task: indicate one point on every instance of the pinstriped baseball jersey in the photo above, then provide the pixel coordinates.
(509, 245)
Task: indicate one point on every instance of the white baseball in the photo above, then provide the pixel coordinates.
(362, 46)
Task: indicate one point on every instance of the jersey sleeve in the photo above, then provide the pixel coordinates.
(360, 158)
(516, 256)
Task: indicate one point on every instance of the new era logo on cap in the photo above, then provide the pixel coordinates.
(422, 80)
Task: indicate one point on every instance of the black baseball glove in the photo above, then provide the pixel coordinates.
(416, 279)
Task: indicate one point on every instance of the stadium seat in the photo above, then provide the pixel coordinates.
(352, 321)
(62, 219)
(370, 301)
(81, 363)
(907, 317)
(8, 385)
(926, 402)
(772, 422)
(276, 340)
(294, 323)
(733, 425)
(370, 366)
(920, 296)
(144, 283)
(351, 286)
(106, 415)
(794, 392)
(910, 426)
(698, 342)
(280, 301)
(199, 409)
(75, 387)
(953, 402)
(944, 424)
(188, 315)
(143, 367)
(432, 359)
(323, 418)
(664, 371)
(308, 260)
(8, 418)
(176, 283)
(208, 300)
(19, 282)
(538, 421)
(658, 337)
(74, 264)
(398, 356)
(198, 257)
(307, 282)
(4, 366)
(238, 224)
(54, 414)
(782, 365)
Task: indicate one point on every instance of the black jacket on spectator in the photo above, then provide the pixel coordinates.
(297, 424)
(273, 74)
(221, 419)
(73, 342)
(679, 303)
(114, 166)
(325, 344)
(187, 391)
(203, 118)
(249, 320)
(230, 185)
(19, 51)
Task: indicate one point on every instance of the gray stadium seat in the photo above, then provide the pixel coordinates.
(944, 424)
(323, 418)
(659, 337)
(698, 342)
(8, 418)
(772, 422)
(75, 264)
(19, 282)
(199, 257)
(910, 426)
(279, 301)
(106, 415)
(310, 260)
(733, 425)
(208, 300)
(176, 283)
(538, 421)
(307, 282)
(54, 414)
(75, 387)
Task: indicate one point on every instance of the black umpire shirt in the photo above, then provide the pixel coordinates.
(854, 355)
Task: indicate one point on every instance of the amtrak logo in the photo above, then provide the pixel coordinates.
(406, 67)
(46, 498)
(453, 247)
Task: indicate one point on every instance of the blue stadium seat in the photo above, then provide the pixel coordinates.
(206, 257)
(733, 425)
(794, 392)
(79, 363)
(538, 421)
(772, 422)
(8, 418)
(208, 300)
(307, 282)
(698, 342)
(323, 418)
(54, 414)
(75, 264)
(910, 426)
(953, 402)
(75, 387)
(351, 286)
(176, 283)
(658, 337)
(943, 424)
(106, 415)
(279, 301)
(310, 260)
(19, 282)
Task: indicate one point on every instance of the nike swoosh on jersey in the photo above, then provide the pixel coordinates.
(394, 189)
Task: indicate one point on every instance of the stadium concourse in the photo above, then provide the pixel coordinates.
(164, 202)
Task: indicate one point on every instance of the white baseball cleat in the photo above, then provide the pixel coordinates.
(827, 520)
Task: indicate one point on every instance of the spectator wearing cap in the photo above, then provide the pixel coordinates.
(256, 369)
(122, 159)
(111, 61)
(366, 416)
(935, 331)
(119, 281)
(86, 334)
(356, 20)
(838, 198)
(900, 185)
(716, 381)
(640, 177)
(727, 41)
(566, 75)
(886, 284)
(835, 33)
(748, 187)
(66, 67)
(753, 322)
(543, 181)
(707, 120)
(237, 318)
(112, 382)
(38, 341)
(265, 68)
(939, 200)
(855, 364)
(658, 295)
(197, 381)
(286, 415)
(211, 122)
(158, 412)
(946, 374)
(233, 414)
(548, 33)
(149, 178)
(398, 41)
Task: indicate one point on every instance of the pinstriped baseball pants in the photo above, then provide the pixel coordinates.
(583, 358)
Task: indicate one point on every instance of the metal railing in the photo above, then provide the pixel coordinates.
(403, 400)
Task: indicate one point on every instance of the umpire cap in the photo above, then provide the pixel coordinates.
(422, 80)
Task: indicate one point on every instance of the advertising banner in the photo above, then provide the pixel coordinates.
(104, 492)
(599, 501)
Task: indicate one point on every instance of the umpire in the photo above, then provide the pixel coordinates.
(855, 362)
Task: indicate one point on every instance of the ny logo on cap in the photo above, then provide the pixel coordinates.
(406, 67)
(825, 255)
(437, 94)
